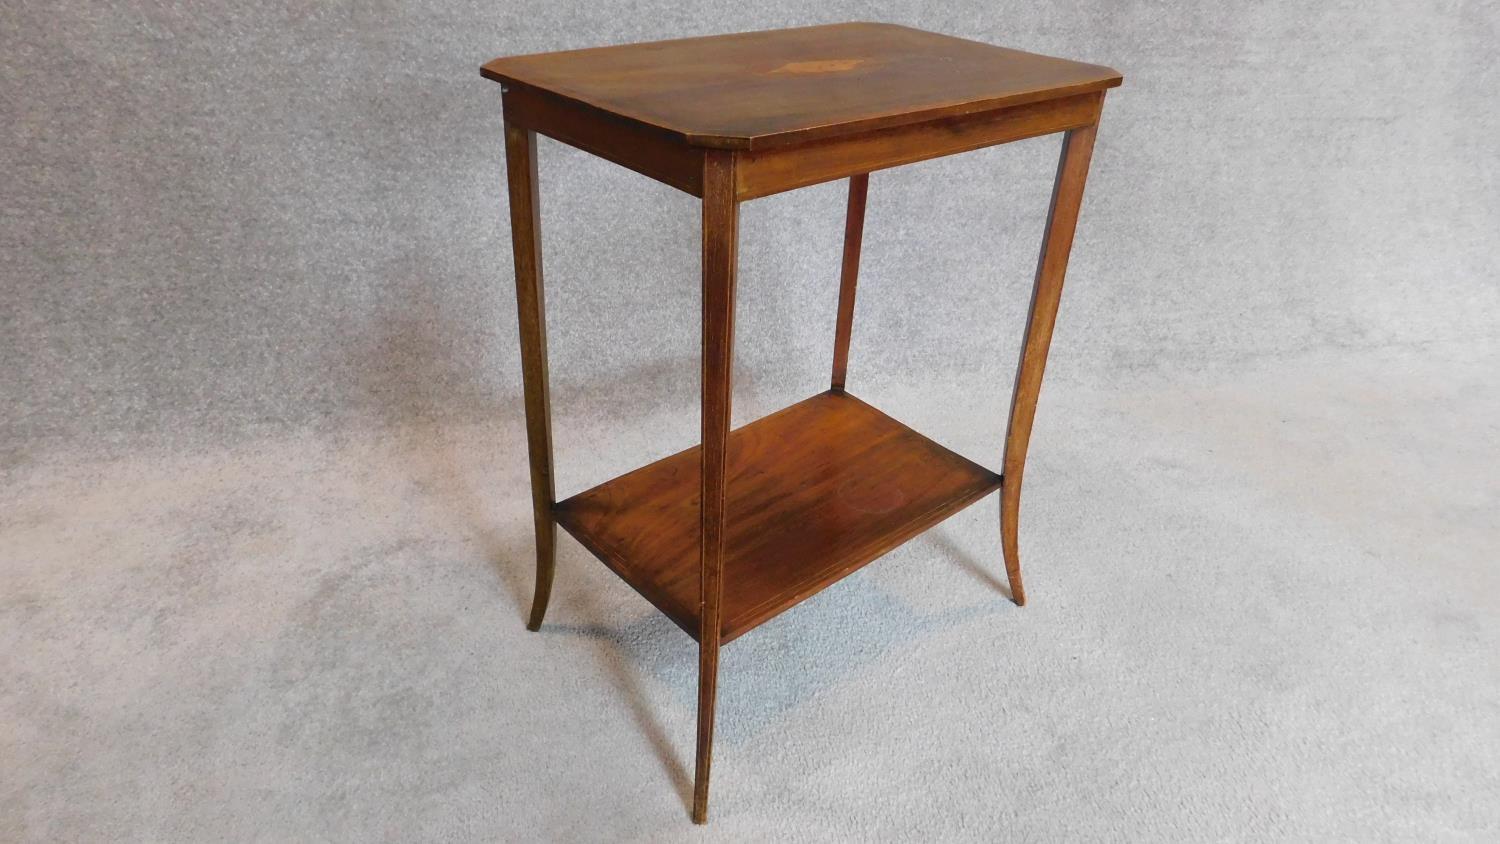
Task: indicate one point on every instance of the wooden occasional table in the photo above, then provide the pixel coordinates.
(724, 536)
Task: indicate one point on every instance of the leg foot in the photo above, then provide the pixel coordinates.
(705, 747)
(708, 668)
(546, 564)
(1010, 506)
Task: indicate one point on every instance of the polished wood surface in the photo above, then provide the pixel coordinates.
(1052, 265)
(854, 234)
(815, 491)
(526, 244)
(645, 150)
(782, 169)
(724, 536)
(789, 86)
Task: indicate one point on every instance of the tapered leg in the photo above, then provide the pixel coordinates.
(1062, 219)
(854, 231)
(720, 234)
(526, 242)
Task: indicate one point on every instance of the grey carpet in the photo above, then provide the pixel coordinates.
(264, 543)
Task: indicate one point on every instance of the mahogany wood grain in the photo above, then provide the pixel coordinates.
(1046, 292)
(815, 491)
(854, 232)
(526, 243)
(720, 259)
(781, 87)
(645, 150)
(782, 169)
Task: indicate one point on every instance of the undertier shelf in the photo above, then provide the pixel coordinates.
(813, 492)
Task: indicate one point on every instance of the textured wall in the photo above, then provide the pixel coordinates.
(225, 215)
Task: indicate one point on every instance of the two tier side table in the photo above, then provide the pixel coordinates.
(724, 536)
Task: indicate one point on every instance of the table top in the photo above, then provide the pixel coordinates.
(758, 89)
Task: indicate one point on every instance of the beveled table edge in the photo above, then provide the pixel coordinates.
(1109, 78)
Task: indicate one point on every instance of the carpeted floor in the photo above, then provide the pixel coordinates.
(1265, 604)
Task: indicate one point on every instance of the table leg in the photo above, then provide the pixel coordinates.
(854, 231)
(526, 242)
(1062, 219)
(720, 234)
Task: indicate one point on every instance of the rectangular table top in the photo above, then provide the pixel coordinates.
(783, 86)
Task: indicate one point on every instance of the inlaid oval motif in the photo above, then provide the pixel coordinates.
(871, 497)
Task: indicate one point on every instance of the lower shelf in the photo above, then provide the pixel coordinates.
(813, 492)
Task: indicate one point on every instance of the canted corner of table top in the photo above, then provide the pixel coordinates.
(758, 90)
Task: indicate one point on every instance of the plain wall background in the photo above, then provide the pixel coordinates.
(221, 216)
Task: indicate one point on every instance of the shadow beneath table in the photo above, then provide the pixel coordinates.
(779, 666)
(949, 550)
(648, 637)
(420, 389)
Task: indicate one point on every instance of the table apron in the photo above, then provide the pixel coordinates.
(762, 173)
(660, 156)
(632, 145)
